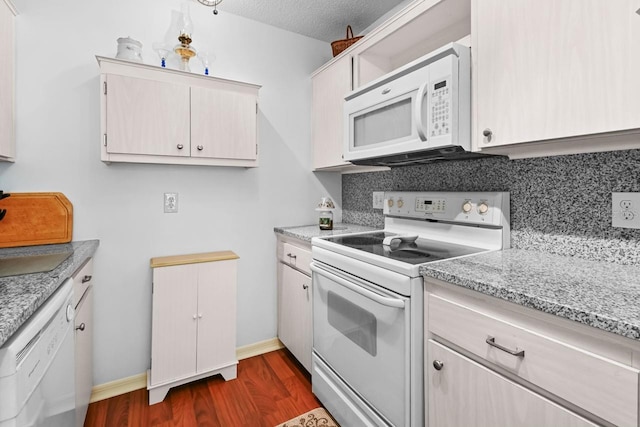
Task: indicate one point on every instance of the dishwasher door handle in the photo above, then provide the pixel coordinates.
(386, 301)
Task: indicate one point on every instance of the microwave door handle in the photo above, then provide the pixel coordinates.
(389, 302)
(418, 117)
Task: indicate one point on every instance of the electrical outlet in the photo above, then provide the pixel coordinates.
(625, 210)
(170, 202)
(378, 200)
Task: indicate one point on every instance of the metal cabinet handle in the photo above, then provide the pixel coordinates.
(180, 146)
(292, 256)
(438, 365)
(200, 147)
(81, 327)
(487, 132)
(492, 342)
(305, 287)
(86, 278)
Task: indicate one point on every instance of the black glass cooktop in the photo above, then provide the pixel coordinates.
(416, 252)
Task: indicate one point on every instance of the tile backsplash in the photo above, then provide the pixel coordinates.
(559, 204)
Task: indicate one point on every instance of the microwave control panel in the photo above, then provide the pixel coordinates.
(441, 106)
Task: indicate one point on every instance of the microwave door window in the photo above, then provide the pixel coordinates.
(384, 124)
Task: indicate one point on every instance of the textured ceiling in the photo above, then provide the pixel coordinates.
(323, 20)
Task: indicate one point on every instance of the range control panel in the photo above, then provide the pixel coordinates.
(487, 208)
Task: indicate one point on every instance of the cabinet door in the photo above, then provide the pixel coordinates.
(84, 354)
(216, 315)
(223, 124)
(295, 314)
(174, 322)
(7, 66)
(147, 117)
(545, 69)
(465, 393)
(329, 88)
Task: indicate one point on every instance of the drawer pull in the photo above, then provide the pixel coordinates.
(86, 278)
(492, 342)
(305, 287)
(82, 327)
(438, 365)
(292, 256)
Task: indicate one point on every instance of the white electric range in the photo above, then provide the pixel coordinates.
(368, 315)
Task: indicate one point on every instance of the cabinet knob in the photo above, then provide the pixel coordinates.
(487, 133)
(305, 287)
(86, 279)
(81, 327)
(180, 146)
(200, 147)
(195, 316)
(438, 365)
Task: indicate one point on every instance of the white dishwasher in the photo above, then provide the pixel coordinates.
(37, 383)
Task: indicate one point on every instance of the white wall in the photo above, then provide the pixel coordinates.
(58, 137)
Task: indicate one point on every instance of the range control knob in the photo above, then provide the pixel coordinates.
(390, 203)
(466, 206)
(483, 208)
(400, 203)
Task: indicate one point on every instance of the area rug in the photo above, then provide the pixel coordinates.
(318, 417)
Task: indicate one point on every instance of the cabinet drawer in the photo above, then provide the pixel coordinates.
(297, 257)
(605, 388)
(82, 280)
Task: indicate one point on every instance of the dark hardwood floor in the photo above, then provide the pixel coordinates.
(270, 389)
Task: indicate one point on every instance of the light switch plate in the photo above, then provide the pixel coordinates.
(625, 210)
(378, 200)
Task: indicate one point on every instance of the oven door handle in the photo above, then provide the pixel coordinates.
(386, 301)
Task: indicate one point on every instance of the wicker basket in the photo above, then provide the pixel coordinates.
(339, 45)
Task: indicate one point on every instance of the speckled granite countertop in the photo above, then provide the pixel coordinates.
(307, 232)
(599, 294)
(22, 295)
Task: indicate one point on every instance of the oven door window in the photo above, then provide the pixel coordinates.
(355, 323)
(364, 337)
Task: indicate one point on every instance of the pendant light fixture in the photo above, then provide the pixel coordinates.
(211, 3)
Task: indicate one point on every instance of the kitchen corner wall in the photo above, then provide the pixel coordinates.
(559, 204)
(220, 208)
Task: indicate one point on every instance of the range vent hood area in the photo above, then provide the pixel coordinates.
(421, 157)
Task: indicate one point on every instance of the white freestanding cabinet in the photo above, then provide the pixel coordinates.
(7, 81)
(83, 299)
(193, 320)
(295, 298)
(158, 115)
(547, 70)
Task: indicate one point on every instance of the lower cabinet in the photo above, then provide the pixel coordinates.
(493, 363)
(193, 320)
(295, 298)
(465, 393)
(83, 299)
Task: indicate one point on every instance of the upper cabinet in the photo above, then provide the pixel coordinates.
(329, 86)
(7, 81)
(159, 115)
(563, 75)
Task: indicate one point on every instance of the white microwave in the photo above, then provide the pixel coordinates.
(418, 113)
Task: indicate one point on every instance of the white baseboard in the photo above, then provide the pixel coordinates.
(136, 382)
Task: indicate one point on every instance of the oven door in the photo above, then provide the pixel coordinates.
(361, 331)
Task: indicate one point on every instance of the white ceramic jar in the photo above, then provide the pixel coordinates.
(130, 49)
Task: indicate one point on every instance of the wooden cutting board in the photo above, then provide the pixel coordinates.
(36, 219)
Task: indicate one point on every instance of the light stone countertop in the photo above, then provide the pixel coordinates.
(22, 295)
(603, 295)
(307, 232)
